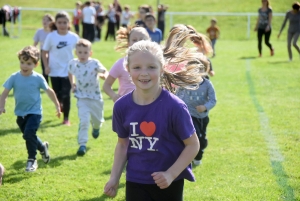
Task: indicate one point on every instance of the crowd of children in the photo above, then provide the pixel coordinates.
(147, 86)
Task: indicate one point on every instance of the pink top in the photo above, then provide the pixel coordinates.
(119, 72)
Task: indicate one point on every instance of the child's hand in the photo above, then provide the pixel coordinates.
(58, 111)
(102, 76)
(201, 108)
(47, 70)
(111, 188)
(162, 179)
(116, 97)
(2, 110)
(73, 88)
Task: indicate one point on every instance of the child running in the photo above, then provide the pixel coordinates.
(86, 71)
(26, 85)
(213, 33)
(156, 136)
(56, 54)
(40, 37)
(126, 37)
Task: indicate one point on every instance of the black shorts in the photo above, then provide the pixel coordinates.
(151, 192)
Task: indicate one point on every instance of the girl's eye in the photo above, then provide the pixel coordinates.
(152, 67)
(136, 67)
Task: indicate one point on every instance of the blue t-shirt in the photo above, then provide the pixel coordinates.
(156, 132)
(155, 36)
(26, 92)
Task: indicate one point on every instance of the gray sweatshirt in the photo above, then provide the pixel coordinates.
(294, 20)
(204, 95)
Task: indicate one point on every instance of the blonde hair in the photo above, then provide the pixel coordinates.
(29, 52)
(123, 36)
(188, 76)
(201, 41)
(84, 43)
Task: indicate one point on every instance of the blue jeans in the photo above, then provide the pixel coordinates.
(29, 124)
(213, 42)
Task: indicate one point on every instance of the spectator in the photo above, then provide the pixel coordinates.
(88, 16)
(161, 18)
(154, 33)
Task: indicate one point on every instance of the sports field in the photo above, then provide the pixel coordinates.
(254, 132)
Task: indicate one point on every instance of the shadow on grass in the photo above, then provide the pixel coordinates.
(278, 62)
(108, 117)
(10, 131)
(252, 57)
(18, 168)
(103, 197)
(57, 161)
(43, 125)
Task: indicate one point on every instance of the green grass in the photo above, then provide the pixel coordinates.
(255, 120)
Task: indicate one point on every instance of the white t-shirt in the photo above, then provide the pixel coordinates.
(87, 78)
(60, 49)
(89, 14)
(125, 18)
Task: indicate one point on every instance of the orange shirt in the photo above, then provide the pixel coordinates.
(213, 32)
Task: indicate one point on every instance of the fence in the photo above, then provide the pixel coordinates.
(169, 15)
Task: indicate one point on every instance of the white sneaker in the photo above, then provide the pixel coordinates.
(197, 162)
(45, 153)
(31, 165)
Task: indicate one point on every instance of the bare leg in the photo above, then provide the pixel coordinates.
(2, 170)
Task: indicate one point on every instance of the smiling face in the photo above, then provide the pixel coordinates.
(26, 66)
(145, 71)
(62, 25)
(138, 35)
(83, 53)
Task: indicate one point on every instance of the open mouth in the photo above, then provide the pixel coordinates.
(144, 81)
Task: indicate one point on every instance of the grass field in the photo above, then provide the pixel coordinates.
(254, 132)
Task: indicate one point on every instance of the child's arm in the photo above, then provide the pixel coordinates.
(35, 43)
(211, 100)
(120, 158)
(108, 90)
(164, 179)
(103, 75)
(72, 82)
(45, 56)
(52, 96)
(3, 100)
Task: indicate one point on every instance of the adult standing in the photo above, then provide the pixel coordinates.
(161, 18)
(118, 10)
(263, 26)
(294, 28)
(88, 18)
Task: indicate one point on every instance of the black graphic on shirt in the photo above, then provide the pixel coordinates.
(61, 45)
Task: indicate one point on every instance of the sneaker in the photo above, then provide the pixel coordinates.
(197, 162)
(45, 153)
(81, 151)
(66, 122)
(96, 133)
(2, 170)
(272, 52)
(31, 165)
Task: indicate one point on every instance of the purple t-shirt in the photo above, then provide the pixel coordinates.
(156, 133)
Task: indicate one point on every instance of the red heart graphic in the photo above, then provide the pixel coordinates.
(148, 128)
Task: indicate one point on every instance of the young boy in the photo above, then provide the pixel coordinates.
(213, 33)
(26, 85)
(85, 71)
(154, 33)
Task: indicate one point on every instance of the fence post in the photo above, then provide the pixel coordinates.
(171, 21)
